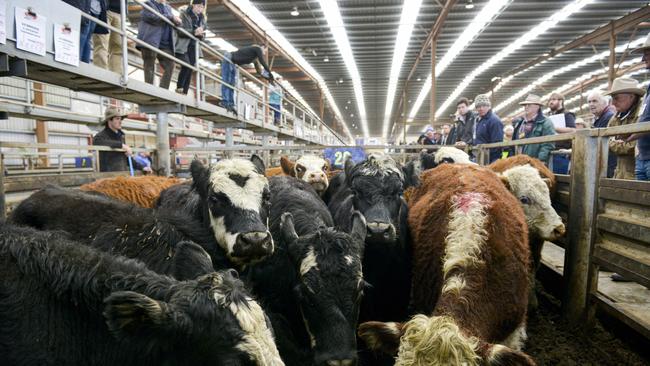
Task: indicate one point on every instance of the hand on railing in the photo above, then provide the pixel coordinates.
(127, 149)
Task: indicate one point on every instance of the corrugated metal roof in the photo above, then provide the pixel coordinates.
(371, 27)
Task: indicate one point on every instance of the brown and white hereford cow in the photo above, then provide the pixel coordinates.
(470, 259)
(312, 169)
(544, 223)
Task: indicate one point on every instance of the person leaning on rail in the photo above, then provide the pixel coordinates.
(626, 97)
(112, 136)
(642, 163)
(534, 124)
(488, 127)
(193, 19)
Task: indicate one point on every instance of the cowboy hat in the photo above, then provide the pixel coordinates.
(645, 45)
(532, 99)
(112, 112)
(625, 85)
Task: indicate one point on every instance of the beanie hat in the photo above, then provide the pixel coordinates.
(198, 2)
(482, 100)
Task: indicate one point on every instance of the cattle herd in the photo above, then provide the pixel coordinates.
(418, 264)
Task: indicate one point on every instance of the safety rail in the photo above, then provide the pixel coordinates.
(608, 226)
(120, 87)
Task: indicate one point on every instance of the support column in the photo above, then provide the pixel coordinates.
(125, 45)
(41, 126)
(581, 226)
(432, 105)
(612, 58)
(321, 105)
(266, 154)
(229, 142)
(3, 210)
(162, 144)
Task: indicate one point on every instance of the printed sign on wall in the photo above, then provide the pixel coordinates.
(337, 156)
(30, 31)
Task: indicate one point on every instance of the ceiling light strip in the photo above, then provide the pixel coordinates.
(487, 14)
(258, 18)
(337, 28)
(410, 12)
(525, 39)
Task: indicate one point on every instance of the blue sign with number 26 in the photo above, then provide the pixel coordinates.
(338, 156)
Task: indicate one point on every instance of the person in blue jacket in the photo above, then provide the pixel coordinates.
(489, 128)
(642, 161)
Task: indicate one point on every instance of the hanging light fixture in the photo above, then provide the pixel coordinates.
(326, 59)
(469, 5)
(295, 12)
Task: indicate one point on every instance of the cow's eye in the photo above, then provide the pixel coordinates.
(300, 169)
(324, 168)
(525, 200)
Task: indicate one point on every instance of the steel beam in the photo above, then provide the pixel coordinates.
(162, 144)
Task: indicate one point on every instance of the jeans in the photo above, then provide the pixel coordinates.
(107, 52)
(229, 76)
(86, 34)
(276, 112)
(149, 58)
(185, 75)
(642, 169)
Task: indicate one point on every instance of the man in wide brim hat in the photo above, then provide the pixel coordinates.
(112, 112)
(625, 85)
(112, 136)
(532, 99)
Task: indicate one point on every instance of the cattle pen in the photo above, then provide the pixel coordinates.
(332, 279)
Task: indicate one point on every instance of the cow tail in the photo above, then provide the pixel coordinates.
(436, 340)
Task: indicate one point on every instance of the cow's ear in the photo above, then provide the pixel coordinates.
(130, 314)
(287, 166)
(548, 182)
(190, 261)
(381, 337)
(287, 230)
(505, 181)
(200, 177)
(359, 227)
(349, 164)
(259, 164)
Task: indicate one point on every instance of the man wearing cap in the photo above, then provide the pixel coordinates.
(112, 136)
(534, 124)
(642, 163)
(626, 98)
(489, 128)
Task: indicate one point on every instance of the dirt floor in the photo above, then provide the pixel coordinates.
(552, 342)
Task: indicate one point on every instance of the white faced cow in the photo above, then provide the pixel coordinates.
(309, 168)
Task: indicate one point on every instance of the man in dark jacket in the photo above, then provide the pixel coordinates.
(463, 132)
(489, 128)
(153, 30)
(534, 124)
(112, 136)
(193, 21)
(556, 106)
(107, 45)
(642, 161)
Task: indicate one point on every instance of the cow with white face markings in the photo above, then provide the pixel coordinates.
(312, 286)
(470, 260)
(309, 168)
(231, 197)
(68, 304)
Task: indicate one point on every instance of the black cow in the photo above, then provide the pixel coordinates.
(374, 187)
(311, 288)
(68, 304)
(232, 198)
(159, 239)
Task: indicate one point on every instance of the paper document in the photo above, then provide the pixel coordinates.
(558, 120)
(66, 45)
(30, 31)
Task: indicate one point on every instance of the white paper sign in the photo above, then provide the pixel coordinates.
(3, 22)
(66, 45)
(558, 120)
(30, 31)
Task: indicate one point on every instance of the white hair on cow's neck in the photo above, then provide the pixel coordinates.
(525, 181)
(309, 262)
(466, 236)
(380, 164)
(517, 338)
(248, 197)
(456, 155)
(258, 340)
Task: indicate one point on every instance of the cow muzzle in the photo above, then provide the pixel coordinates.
(381, 232)
(318, 180)
(253, 246)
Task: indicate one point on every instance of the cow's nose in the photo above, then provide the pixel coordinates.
(559, 231)
(317, 176)
(381, 230)
(254, 245)
(346, 362)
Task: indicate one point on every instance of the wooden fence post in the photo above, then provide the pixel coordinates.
(581, 225)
